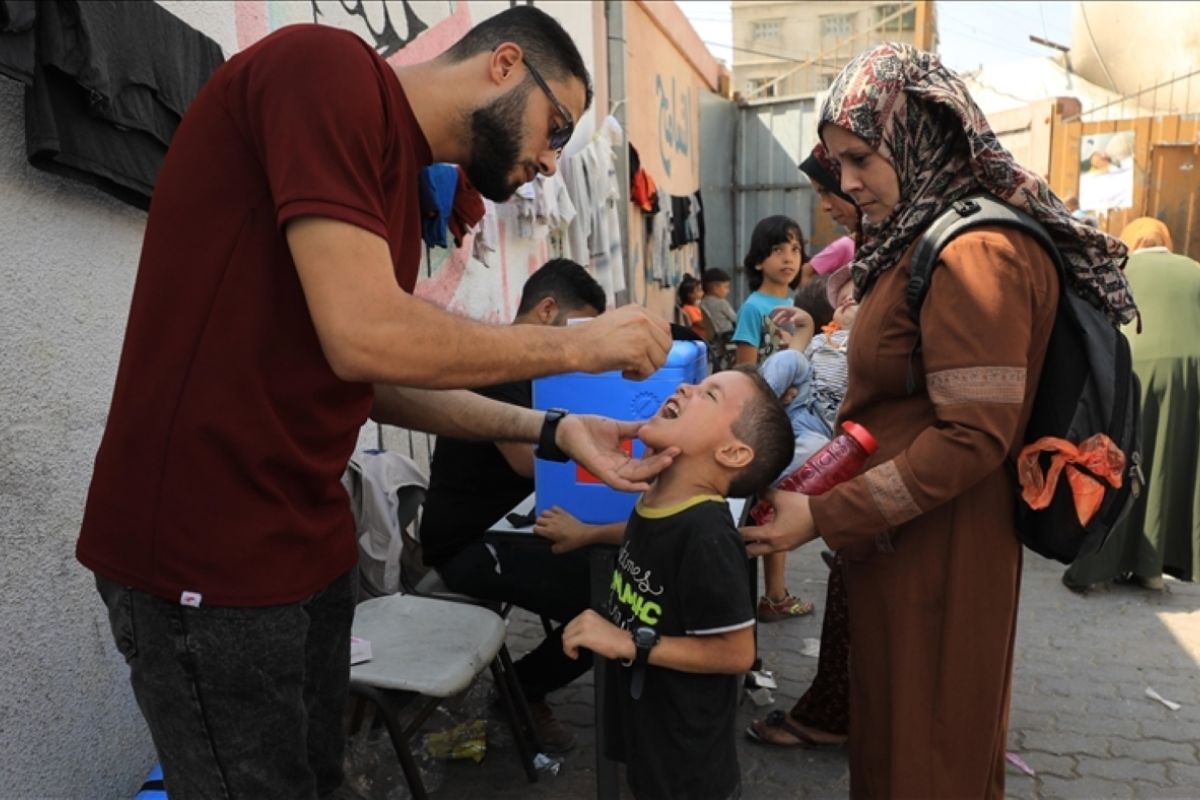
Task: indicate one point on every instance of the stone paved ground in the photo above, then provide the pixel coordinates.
(1080, 716)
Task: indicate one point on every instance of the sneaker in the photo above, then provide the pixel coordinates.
(786, 608)
(553, 735)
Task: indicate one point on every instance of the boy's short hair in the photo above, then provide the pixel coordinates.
(571, 286)
(714, 275)
(764, 426)
(813, 298)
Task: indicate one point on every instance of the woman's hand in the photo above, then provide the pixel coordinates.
(792, 527)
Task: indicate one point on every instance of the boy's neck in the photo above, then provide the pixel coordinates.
(678, 483)
(774, 289)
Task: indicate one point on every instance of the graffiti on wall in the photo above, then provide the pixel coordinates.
(674, 121)
(389, 25)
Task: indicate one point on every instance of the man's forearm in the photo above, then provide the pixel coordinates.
(457, 413)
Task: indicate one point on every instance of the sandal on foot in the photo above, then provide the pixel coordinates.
(767, 731)
(786, 608)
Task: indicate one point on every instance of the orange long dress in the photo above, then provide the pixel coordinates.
(933, 562)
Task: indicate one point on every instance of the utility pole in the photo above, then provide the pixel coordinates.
(923, 33)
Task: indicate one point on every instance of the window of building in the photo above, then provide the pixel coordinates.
(837, 24)
(904, 22)
(754, 84)
(764, 29)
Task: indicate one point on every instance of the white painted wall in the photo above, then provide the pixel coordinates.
(69, 727)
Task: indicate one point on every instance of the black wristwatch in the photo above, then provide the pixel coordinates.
(644, 639)
(547, 449)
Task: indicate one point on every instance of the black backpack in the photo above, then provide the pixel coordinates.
(1087, 384)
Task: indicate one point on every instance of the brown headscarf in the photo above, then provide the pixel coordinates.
(1146, 232)
(919, 116)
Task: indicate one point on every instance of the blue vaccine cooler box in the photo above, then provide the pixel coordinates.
(569, 485)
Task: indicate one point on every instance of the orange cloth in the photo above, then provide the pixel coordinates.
(1146, 232)
(1098, 455)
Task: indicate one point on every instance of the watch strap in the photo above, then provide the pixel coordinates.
(547, 448)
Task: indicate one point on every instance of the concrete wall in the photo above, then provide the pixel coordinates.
(69, 727)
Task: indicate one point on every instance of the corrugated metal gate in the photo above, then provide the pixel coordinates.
(750, 170)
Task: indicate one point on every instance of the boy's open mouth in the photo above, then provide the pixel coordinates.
(670, 410)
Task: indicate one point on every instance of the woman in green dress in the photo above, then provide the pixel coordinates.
(1161, 534)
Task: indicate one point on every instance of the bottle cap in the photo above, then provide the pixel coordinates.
(861, 435)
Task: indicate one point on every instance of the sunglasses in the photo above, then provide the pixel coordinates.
(559, 134)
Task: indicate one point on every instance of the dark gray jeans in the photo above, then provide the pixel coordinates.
(241, 702)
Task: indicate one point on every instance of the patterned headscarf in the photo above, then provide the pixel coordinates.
(919, 116)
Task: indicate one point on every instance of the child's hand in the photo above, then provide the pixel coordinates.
(597, 634)
(564, 530)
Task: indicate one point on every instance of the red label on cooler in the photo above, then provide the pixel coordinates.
(583, 476)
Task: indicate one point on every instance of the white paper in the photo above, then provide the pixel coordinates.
(812, 648)
(1171, 704)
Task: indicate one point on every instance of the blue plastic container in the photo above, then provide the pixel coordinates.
(569, 485)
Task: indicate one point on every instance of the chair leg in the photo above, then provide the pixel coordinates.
(400, 735)
(516, 709)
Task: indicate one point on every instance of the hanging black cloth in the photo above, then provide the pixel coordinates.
(110, 83)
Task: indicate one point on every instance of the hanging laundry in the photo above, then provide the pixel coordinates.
(642, 191)
(436, 187)
(467, 210)
(487, 239)
(99, 108)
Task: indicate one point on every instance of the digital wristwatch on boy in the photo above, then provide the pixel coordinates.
(644, 639)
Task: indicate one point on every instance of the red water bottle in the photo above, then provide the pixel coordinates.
(838, 461)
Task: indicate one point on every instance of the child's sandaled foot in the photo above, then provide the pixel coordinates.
(788, 607)
(779, 729)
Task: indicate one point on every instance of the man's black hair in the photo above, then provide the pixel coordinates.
(764, 426)
(812, 298)
(768, 233)
(714, 275)
(545, 43)
(571, 286)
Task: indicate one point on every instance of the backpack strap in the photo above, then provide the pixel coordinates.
(973, 211)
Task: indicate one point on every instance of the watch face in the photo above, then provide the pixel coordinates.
(645, 637)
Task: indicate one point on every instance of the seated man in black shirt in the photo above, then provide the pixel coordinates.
(473, 484)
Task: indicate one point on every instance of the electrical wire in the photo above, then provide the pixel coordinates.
(1087, 26)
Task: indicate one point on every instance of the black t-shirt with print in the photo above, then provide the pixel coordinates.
(470, 486)
(681, 571)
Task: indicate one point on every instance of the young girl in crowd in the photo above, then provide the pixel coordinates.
(690, 291)
(773, 270)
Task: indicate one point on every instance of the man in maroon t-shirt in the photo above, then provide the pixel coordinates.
(272, 314)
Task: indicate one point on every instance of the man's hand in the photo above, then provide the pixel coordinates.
(628, 338)
(792, 527)
(595, 442)
(597, 634)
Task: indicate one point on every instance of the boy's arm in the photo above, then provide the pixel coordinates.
(725, 653)
(568, 533)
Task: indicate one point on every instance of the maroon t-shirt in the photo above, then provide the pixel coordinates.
(219, 471)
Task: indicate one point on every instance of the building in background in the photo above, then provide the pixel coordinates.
(783, 49)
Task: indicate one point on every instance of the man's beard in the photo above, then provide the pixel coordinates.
(496, 143)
